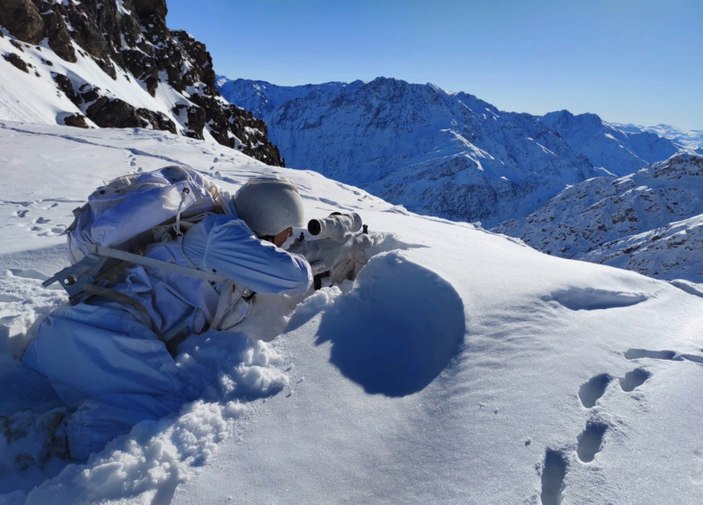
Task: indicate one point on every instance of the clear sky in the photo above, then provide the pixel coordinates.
(638, 61)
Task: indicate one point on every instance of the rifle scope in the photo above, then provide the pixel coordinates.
(335, 226)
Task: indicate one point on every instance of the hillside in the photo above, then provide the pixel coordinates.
(649, 221)
(115, 64)
(460, 367)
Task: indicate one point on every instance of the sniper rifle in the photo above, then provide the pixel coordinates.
(336, 248)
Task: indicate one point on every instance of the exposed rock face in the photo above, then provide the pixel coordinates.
(116, 113)
(129, 40)
(17, 61)
(22, 19)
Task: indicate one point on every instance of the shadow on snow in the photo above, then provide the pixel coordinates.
(396, 331)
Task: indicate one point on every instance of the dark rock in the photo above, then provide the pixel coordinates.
(65, 85)
(89, 93)
(196, 121)
(146, 8)
(57, 32)
(106, 67)
(151, 83)
(157, 120)
(76, 120)
(114, 113)
(16, 61)
(22, 19)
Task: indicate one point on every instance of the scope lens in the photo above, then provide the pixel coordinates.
(314, 227)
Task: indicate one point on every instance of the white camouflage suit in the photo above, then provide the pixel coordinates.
(103, 359)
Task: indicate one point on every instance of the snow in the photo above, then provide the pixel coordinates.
(689, 139)
(460, 367)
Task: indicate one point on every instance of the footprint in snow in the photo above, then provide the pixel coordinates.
(662, 355)
(590, 440)
(697, 467)
(634, 379)
(592, 390)
(553, 474)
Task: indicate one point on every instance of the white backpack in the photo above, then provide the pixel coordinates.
(119, 213)
(128, 214)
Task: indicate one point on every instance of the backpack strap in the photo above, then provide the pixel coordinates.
(138, 259)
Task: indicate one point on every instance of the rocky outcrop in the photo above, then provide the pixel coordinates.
(129, 39)
(116, 113)
(22, 19)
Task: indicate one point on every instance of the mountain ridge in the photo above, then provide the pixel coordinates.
(456, 156)
(399, 140)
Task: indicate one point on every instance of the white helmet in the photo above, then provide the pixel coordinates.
(269, 205)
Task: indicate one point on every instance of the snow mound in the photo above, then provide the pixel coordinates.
(397, 329)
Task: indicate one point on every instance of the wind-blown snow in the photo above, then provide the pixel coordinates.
(460, 367)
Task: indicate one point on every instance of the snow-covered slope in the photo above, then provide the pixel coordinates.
(649, 221)
(446, 154)
(115, 64)
(460, 367)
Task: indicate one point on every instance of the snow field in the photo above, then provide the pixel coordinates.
(460, 367)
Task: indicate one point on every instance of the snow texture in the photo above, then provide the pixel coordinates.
(461, 366)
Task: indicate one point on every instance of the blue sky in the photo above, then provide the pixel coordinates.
(635, 61)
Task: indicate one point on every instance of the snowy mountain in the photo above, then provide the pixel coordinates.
(607, 146)
(689, 139)
(460, 367)
(650, 221)
(446, 154)
(93, 63)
